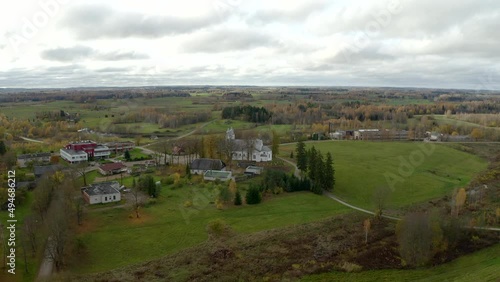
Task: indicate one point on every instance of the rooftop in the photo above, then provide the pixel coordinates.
(207, 164)
(103, 188)
(31, 156)
(112, 166)
(73, 152)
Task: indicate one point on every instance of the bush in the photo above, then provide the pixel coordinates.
(218, 229)
(167, 180)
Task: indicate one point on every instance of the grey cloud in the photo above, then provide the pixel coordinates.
(93, 22)
(298, 13)
(78, 53)
(226, 40)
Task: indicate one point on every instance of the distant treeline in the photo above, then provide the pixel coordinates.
(247, 113)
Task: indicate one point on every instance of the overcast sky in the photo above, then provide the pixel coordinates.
(419, 43)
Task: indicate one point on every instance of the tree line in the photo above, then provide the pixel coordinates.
(247, 113)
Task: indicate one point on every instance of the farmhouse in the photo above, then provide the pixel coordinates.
(105, 192)
(213, 175)
(251, 150)
(112, 168)
(200, 166)
(24, 160)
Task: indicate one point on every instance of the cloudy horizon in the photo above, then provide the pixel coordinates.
(395, 43)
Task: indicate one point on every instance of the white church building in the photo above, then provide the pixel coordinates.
(249, 150)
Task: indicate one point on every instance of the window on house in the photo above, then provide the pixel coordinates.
(114, 197)
(105, 198)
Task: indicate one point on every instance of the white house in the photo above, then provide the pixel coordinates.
(105, 192)
(249, 150)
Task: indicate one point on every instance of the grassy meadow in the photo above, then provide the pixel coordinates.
(363, 167)
(168, 226)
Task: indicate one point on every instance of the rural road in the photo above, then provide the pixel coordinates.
(335, 198)
(31, 140)
(47, 264)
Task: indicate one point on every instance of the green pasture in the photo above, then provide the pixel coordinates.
(415, 172)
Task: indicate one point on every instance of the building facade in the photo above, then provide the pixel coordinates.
(249, 150)
(83, 151)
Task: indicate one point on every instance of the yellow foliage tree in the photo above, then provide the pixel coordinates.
(367, 225)
(460, 199)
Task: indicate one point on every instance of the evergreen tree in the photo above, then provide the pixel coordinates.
(188, 171)
(291, 155)
(312, 161)
(319, 174)
(3, 148)
(329, 173)
(237, 198)
(127, 156)
(301, 156)
(253, 196)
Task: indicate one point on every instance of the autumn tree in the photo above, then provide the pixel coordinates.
(460, 200)
(419, 239)
(477, 134)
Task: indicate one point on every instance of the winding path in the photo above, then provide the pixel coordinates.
(335, 198)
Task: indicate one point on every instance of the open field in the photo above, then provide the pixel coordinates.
(167, 226)
(362, 167)
(481, 266)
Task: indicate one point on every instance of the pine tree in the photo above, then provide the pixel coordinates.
(253, 196)
(301, 156)
(312, 160)
(329, 173)
(127, 156)
(237, 198)
(3, 148)
(188, 171)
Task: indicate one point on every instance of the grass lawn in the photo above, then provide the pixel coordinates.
(168, 226)
(481, 266)
(362, 167)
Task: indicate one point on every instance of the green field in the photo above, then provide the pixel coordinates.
(167, 226)
(480, 266)
(362, 167)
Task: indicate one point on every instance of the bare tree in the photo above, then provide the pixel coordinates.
(380, 198)
(30, 231)
(137, 199)
(58, 231)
